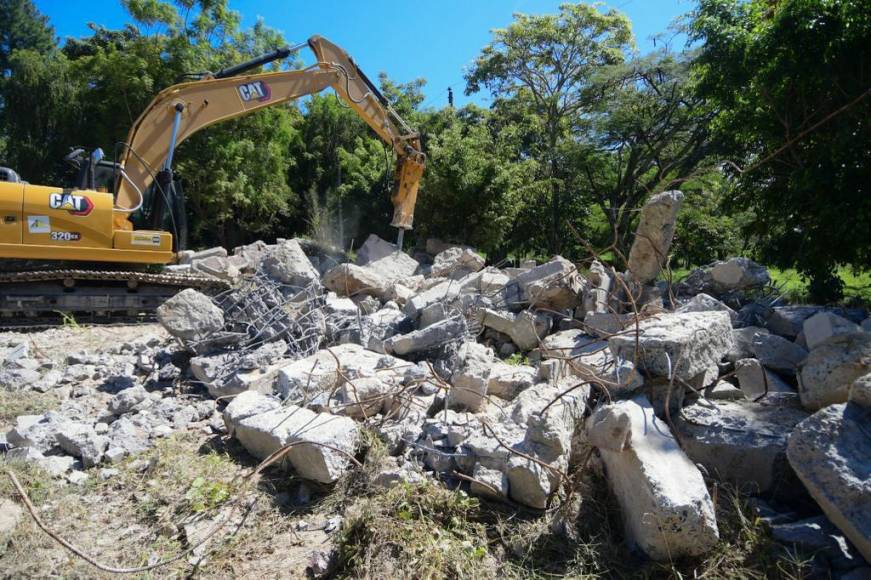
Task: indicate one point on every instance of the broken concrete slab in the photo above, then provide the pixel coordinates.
(190, 315)
(777, 353)
(742, 342)
(569, 344)
(756, 381)
(352, 280)
(740, 442)
(80, 440)
(470, 380)
(831, 453)
(860, 391)
(506, 381)
(456, 262)
(525, 329)
(489, 483)
(598, 288)
(667, 511)
(738, 274)
(375, 248)
(316, 375)
(824, 325)
(832, 367)
(321, 442)
(287, 263)
(555, 285)
(685, 344)
(788, 321)
(705, 303)
(440, 333)
(248, 404)
(653, 237)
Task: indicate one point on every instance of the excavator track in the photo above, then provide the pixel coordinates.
(42, 298)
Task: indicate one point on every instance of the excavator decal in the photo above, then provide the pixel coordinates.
(78, 205)
(257, 90)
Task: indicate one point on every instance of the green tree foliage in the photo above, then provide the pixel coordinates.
(476, 183)
(22, 27)
(649, 135)
(790, 80)
(548, 65)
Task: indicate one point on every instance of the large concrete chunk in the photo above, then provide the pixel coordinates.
(705, 303)
(685, 345)
(288, 264)
(317, 374)
(321, 442)
(756, 381)
(831, 368)
(525, 329)
(507, 381)
(654, 234)
(777, 353)
(667, 511)
(824, 325)
(352, 280)
(246, 405)
(426, 338)
(555, 285)
(831, 453)
(469, 381)
(456, 262)
(190, 315)
(738, 274)
(738, 441)
(374, 248)
(82, 441)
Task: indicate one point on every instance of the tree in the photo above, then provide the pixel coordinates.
(22, 27)
(790, 81)
(473, 172)
(649, 135)
(548, 64)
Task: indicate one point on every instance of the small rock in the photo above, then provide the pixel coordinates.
(10, 516)
(190, 315)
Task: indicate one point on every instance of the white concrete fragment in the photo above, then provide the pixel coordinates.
(684, 345)
(824, 325)
(353, 280)
(667, 511)
(322, 442)
(288, 264)
(831, 453)
(190, 315)
(654, 234)
(456, 260)
(738, 441)
(469, 381)
(831, 368)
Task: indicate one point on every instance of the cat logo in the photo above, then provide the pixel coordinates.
(258, 90)
(79, 205)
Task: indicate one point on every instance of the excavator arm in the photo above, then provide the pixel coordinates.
(181, 110)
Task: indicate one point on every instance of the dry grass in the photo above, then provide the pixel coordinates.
(15, 403)
(424, 530)
(137, 517)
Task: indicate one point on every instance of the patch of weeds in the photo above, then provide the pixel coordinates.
(415, 530)
(518, 358)
(206, 495)
(68, 320)
(179, 481)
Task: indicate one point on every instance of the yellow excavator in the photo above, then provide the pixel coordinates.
(92, 221)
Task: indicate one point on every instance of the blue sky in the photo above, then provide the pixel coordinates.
(433, 39)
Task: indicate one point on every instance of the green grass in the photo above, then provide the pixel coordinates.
(857, 287)
(794, 287)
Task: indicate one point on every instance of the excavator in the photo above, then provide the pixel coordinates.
(66, 230)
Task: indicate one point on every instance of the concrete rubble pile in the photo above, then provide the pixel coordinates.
(500, 379)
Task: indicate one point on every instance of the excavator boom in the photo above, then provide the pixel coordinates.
(181, 110)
